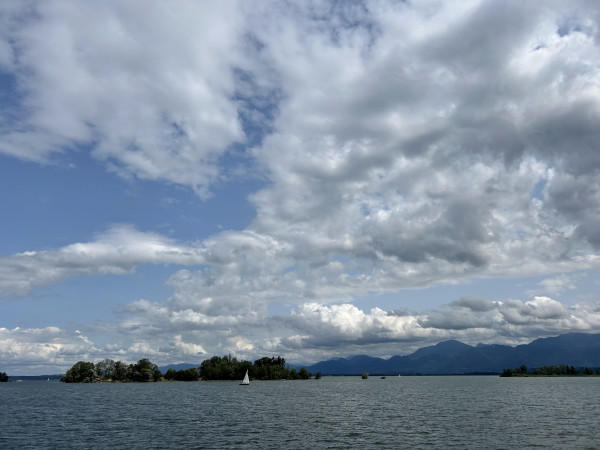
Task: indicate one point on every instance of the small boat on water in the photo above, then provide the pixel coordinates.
(246, 380)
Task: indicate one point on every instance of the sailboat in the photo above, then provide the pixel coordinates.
(246, 380)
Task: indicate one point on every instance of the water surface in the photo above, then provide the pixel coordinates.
(334, 412)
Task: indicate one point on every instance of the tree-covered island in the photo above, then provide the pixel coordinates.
(549, 371)
(109, 370)
(215, 368)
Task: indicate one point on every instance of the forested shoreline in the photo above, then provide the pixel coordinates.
(549, 371)
(215, 368)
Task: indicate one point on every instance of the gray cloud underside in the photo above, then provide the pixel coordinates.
(167, 333)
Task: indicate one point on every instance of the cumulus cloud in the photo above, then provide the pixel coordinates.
(401, 145)
(187, 348)
(43, 350)
(167, 333)
(446, 192)
(538, 309)
(396, 156)
(330, 326)
(471, 320)
(151, 89)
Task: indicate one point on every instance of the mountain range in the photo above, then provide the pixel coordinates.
(454, 357)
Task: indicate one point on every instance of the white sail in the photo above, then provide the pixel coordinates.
(246, 379)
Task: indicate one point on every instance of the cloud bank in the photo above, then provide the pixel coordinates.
(401, 145)
(171, 333)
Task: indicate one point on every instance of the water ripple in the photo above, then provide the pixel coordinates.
(335, 412)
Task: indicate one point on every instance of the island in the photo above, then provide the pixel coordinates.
(213, 369)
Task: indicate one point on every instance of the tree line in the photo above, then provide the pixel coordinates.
(107, 369)
(549, 371)
(229, 368)
(215, 368)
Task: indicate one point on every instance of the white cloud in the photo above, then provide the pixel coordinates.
(43, 350)
(533, 311)
(399, 156)
(311, 332)
(513, 321)
(432, 177)
(151, 88)
(187, 348)
(118, 251)
(402, 145)
(330, 325)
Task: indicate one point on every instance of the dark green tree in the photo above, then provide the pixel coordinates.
(223, 368)
(120, 371)
(3, 377)
(170, 374)
(210, 368)
(105, 369)
(266, 368)
(191, 374)
(144, 370)
(271, 369)
(241, 368)
(305, 374)
(81, 372)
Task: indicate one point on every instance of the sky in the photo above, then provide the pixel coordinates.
(309, 179)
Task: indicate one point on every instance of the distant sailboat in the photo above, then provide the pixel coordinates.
(246, 380)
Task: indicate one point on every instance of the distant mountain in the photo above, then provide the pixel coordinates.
(182, 366)
(455, 357)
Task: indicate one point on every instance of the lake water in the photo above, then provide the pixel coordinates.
(334, 412)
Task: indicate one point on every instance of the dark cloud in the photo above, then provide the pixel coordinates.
(462, 314)
(570, 133)
(476, 304)
(482, 40)
(456, 235)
